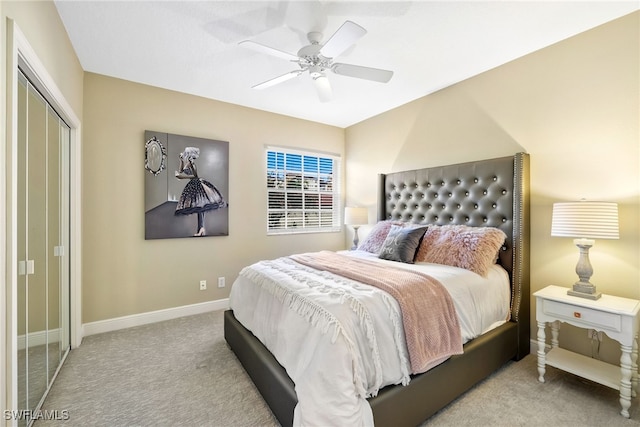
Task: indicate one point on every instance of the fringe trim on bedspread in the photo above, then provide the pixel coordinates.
(339, 284)
(423, 301)
(317, 316)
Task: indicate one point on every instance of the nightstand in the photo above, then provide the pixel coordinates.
(617, 317)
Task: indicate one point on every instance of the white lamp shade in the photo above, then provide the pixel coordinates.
(588, 220)
(356, 216)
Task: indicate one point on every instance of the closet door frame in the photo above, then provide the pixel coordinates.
(19, 53)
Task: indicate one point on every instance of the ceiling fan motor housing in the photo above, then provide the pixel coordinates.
(316, 71)
(311, 59)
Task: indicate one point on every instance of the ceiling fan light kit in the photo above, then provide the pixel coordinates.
(317, 59)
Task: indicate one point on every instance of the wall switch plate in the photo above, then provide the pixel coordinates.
(203, 285)
(221, 283)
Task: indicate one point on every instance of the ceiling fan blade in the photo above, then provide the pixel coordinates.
(323, 88)
(276, 80)
(258, 47)
(342, 39)
(360, 72)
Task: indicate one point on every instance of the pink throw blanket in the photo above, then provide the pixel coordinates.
(430, 322)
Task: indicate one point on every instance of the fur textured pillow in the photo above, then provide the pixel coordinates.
(471, 248)
(374, 240)
(402, 243)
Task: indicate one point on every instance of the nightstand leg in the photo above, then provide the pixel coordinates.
(541, 353)
(555, 330)
(625, 383)
(634, 367)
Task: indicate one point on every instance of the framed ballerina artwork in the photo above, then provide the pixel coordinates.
(186, 186)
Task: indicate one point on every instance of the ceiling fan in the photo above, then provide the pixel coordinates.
(317, 59)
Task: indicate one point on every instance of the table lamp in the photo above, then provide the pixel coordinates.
(586, 221)
(356, 217)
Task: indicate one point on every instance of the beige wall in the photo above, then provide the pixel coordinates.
(41, 25)
(124, 273)
(573, 106)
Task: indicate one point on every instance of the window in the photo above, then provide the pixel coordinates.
(303, 191)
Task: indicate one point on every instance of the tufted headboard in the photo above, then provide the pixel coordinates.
(493, 193)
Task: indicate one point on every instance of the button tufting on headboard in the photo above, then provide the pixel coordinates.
(475, 194)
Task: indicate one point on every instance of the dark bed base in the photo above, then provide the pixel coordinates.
(395, 406)
(267, 374)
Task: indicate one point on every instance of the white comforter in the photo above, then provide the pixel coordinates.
(341, 341)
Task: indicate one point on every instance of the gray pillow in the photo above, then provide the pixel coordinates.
(402, 243)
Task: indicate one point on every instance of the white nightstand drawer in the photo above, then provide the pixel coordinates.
(586, 316)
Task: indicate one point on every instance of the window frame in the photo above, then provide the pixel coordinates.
(300, 182)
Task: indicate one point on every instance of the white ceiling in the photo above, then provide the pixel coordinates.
(192, 46)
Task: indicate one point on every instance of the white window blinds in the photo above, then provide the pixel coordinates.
(303, 191)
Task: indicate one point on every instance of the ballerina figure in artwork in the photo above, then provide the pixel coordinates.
(199, 195)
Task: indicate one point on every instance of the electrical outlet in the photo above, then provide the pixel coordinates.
(221, 282)
(203, 285)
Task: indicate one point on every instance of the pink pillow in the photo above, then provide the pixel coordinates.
(376, 237)
(471, 248)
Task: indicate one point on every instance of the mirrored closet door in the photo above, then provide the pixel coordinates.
(43, 245)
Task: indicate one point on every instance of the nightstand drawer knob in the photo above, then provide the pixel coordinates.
(577, 314)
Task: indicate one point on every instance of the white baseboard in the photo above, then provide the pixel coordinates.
(534, 346)
(124, 322)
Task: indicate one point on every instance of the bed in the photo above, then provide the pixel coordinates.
(487, 193)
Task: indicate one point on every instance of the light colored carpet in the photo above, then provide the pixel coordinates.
(181, 373)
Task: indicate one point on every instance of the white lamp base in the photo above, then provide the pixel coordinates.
(589, 294)
(355, 237)
(583, 288)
